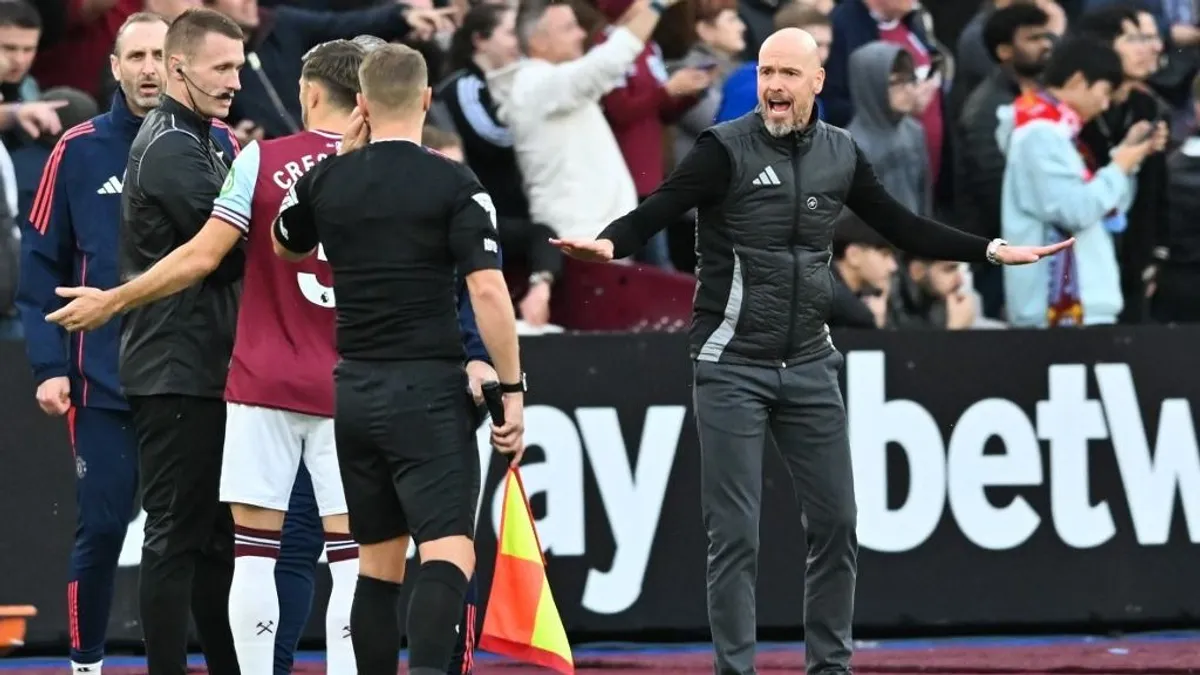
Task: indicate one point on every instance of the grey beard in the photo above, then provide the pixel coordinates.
(776, 129)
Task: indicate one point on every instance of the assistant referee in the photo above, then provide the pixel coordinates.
(396, 220)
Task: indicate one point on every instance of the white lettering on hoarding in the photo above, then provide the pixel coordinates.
(956, 471)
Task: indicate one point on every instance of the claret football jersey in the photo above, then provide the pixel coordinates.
(283, 353)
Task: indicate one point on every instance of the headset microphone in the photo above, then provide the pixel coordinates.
(226, 96)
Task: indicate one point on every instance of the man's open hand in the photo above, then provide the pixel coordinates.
(594, 250)
(89, 309)
(1023, 255)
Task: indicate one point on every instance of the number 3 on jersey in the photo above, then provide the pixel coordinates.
(312, 289)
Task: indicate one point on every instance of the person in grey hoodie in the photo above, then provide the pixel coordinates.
(883, 91)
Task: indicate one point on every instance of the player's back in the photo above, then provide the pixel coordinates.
(283, 355)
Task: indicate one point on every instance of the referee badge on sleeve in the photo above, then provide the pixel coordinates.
(289, 200)
(485, 200)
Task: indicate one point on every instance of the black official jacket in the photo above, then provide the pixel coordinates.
(180, 344)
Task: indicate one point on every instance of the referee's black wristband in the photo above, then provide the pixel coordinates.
(514, 387)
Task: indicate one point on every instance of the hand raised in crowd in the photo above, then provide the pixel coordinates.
(54, 396)
(1160, 137)
(426, 23)
(535, 306)
(40, 117)
(592, 250)
(960, 310)
(926, 90)
(1139, 143)
(89, 308)
(689, 81)
(878, 304)
(358, 133)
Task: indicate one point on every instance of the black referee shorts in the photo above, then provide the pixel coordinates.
(406, 448)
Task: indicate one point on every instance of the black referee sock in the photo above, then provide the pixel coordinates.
(375, 626)
(434, 612)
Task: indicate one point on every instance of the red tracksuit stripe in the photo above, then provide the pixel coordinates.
(73, 613)
(83, 399)
(469, 656)
(71, 429)
(43, 200)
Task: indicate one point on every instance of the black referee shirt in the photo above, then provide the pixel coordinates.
(180, 344)
(396, 220)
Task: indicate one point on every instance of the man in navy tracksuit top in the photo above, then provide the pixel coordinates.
(70, 239)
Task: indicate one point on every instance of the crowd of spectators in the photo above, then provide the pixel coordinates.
(572, 112)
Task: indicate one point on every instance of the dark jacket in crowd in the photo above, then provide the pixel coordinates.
(911, 307)
(10, 265)
(1178, 296)
(978, 159)
(848, 310)
(972, 63)
(759, 17)
(1183, 193)
(284, 35)
(1148, 216)
(487, 143)
(181, 344)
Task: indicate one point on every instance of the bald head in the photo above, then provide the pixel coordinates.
(789, 78)
(792, 44)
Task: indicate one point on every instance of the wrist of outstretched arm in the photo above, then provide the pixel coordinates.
(993, 248)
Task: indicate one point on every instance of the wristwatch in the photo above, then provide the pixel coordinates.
(993, 247)
(541, 278)
(514, 387)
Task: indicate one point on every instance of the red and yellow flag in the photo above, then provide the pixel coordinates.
(522, 621)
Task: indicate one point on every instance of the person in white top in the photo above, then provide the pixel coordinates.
(575, 176)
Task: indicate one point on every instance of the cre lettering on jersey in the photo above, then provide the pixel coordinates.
(291, 172)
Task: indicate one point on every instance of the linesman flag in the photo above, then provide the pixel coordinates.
(522, 621)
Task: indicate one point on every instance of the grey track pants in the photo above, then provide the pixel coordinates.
(802, 408)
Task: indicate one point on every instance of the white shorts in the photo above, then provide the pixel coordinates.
(263, 449)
